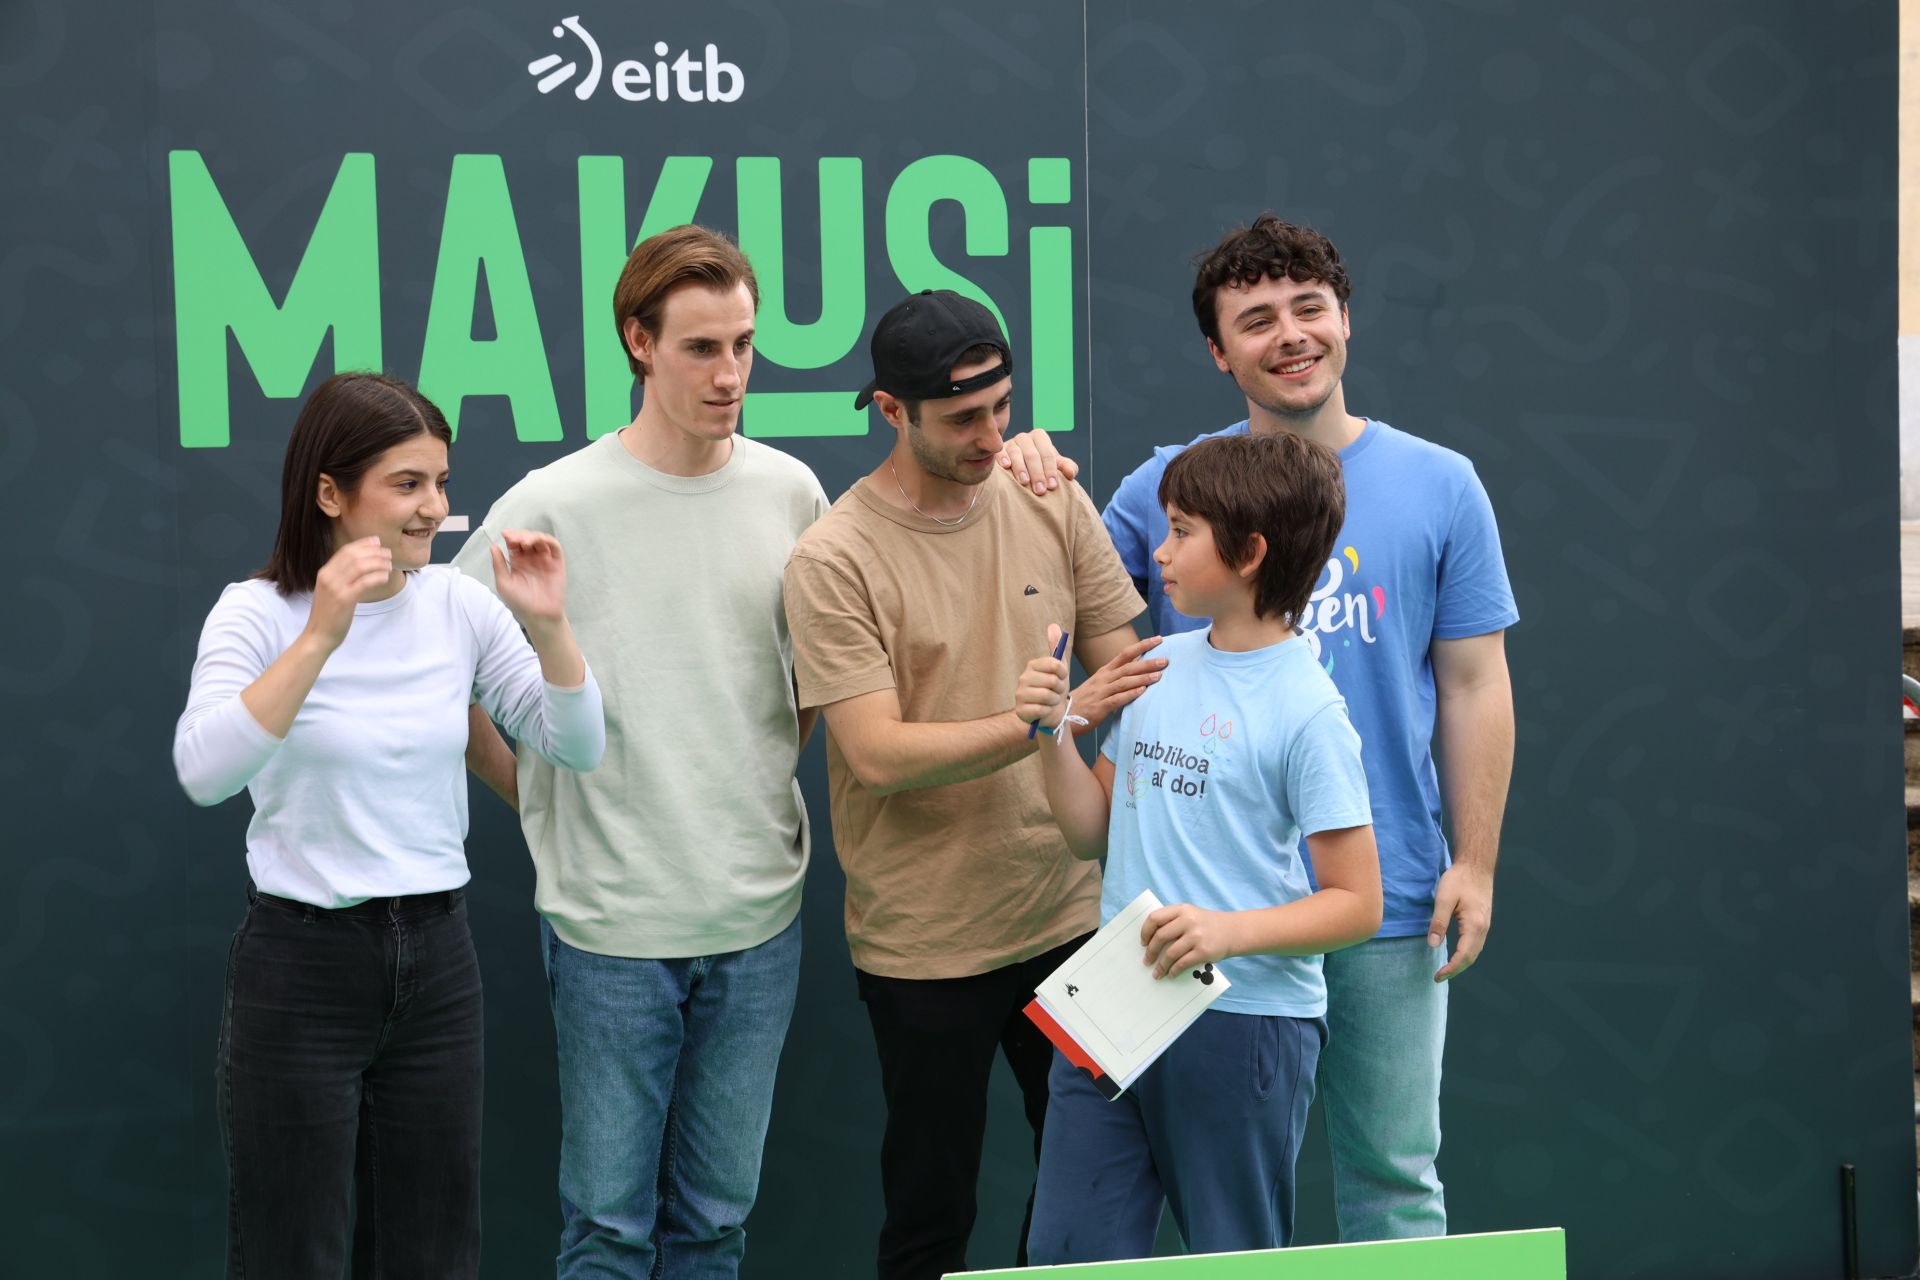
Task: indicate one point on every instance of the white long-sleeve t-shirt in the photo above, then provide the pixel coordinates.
(366, 796)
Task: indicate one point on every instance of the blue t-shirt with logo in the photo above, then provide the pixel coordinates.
(1220, 772)
(1418, 560)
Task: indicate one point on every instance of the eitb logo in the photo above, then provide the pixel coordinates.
(684, 78)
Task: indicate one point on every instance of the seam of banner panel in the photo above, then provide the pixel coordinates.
(1086, 215)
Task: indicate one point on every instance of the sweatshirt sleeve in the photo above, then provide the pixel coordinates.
(567, 727)
(218, 747)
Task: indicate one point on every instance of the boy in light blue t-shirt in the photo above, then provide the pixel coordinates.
(1203, 793)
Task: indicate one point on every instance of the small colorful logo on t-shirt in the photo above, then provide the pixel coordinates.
(1213, 732)
(1342, 609)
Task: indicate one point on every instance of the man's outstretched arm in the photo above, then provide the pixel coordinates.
(887, 753)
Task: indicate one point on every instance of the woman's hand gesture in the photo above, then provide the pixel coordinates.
(530, 577)
(355, 569)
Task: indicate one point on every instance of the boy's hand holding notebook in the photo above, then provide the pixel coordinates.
(1106, 1011)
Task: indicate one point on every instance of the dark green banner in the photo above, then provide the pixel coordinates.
(1636, 262)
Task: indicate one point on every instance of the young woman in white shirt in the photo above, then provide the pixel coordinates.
(334, 686)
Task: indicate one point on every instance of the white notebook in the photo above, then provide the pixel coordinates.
(1106, 1011)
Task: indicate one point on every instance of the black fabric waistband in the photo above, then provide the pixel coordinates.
(375, 908)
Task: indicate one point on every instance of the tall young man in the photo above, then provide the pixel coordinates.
(668, 880)
(1409, 619)
(914, 603)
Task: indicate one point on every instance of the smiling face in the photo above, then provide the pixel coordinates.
(1284, 342)
(401, 499)
(698, 362)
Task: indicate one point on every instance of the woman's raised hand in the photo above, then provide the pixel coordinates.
(355, 569)
(531, 577)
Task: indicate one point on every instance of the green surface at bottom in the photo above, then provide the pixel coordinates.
(1502, 1255)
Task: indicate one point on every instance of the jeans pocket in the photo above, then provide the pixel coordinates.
(1263, 1048)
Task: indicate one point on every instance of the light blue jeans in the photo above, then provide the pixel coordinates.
(1379, 1086)
(666, 1083)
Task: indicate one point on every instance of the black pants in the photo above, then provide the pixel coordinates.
(349, 1090)
(936, 1039)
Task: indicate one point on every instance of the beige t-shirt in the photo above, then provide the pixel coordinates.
(690, 839)
(960, 879)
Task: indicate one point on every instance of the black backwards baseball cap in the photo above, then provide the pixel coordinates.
(917, 343)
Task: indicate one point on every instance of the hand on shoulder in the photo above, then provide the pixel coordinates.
(1035, 463)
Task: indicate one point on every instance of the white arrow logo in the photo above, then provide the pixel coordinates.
(543, 66)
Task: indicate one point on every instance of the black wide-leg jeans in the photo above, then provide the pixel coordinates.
(349, 1075)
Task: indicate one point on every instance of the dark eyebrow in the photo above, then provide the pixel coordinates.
(1257, 309)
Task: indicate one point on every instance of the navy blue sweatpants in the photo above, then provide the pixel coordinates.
(1211, 1130)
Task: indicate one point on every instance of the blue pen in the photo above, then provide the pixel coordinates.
(1033, 729)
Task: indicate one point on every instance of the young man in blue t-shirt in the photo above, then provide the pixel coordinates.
(1408, 618)
(1242, 750)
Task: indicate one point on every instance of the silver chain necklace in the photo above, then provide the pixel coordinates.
(927, 515)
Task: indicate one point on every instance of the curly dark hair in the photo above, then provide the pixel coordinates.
(1267, 250)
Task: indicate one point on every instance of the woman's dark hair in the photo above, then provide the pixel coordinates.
(347, 423)
(1283, 487)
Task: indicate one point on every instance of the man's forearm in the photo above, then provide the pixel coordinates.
(906, 757)
(1474, 732)
(490, 759)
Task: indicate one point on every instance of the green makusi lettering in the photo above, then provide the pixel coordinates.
(217, 287)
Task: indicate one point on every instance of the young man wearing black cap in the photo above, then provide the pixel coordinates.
(913, 604)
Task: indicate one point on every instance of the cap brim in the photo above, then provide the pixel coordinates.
(866, 394)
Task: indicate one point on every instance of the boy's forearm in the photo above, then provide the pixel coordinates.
(1320, 922)
(1080, 804)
